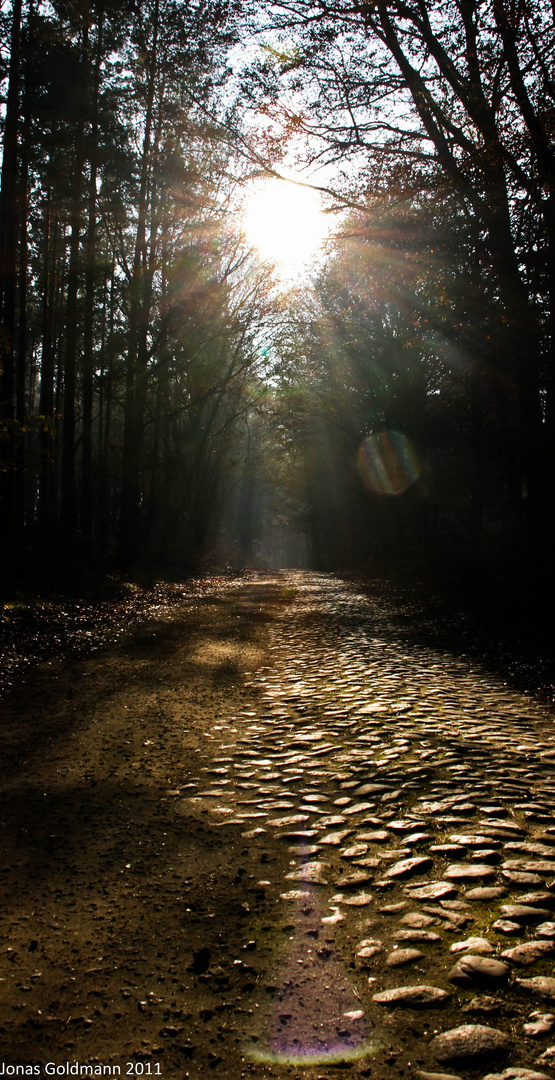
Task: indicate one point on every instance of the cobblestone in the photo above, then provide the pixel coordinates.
(399, 761)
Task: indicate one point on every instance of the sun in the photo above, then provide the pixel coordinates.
(285, 222)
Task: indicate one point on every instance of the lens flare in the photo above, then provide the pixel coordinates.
(387, 463)
(316, 1016)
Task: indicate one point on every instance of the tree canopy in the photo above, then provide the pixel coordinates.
(161, 399)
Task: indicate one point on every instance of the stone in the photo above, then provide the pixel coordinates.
(358, 900)
(409, 867)
(335, 838)
(356, 877)
(383, 884)
(421, 1074)
(471, 1045)
(537, 899)
(291, 819)
(503, 828)
(367, 951)
(486, 893)
(528, 847)
(547, 1058)
(416, 935)
(522, 913)
(417, 920)
(546, 929)
(486, 855)
(354, 852)
(473, 841)
(505, 926)
(312, 872)
(358, 808)
(480, 971)
(529, 952)
(444, 913)
(399, 957)
(296, 894)
(517, 1074)
(542, 986)
(539, 1024)
(412, 997)
(400, 825)
(417, 837)
(469, 872)
(337, 917)
(472, 944)
(436, 890)
(394, 854)
(521, 877)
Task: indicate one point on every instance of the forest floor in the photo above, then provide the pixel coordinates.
(270, 832)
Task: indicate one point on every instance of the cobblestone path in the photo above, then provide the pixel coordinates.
(399, 802)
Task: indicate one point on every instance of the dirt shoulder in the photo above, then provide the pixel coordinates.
(111, 880)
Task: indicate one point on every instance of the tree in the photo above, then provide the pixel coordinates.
(9, 222)
(443, 101)
(136, 308)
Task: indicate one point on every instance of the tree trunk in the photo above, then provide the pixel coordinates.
(68, 508)
(106, 428)
(90, 282)
(21, 365)
(135, 378)
(9, 215)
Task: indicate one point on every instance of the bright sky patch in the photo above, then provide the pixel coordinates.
(285, 223)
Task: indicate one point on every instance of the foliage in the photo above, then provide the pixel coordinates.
(135, 336)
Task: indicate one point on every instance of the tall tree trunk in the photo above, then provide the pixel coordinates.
(550, 373)
(135, 380)
(8, 279)
(51, 240)
(162, 403)
(68, 509)
(90, 282)
(106, 428)
(21, 364)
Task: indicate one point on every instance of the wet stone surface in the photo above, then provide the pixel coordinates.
(415, 795)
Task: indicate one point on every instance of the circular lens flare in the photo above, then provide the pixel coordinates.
(387, 463)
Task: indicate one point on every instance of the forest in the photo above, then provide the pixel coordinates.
(277, 468)
(167, 400)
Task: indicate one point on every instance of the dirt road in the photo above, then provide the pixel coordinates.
(267, 835)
